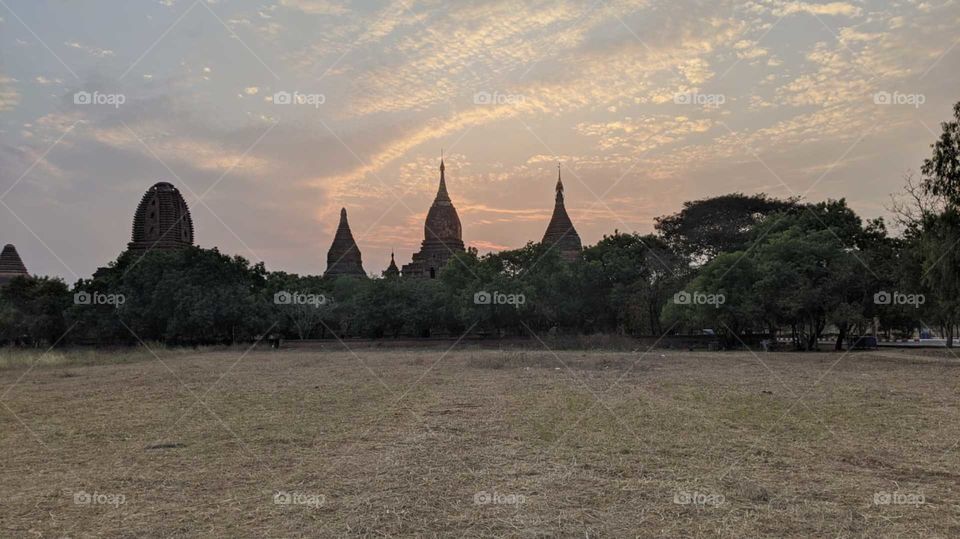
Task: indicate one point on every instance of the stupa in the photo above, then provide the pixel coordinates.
(11, 266)
(392, 270)
(561, 235)
(442, 236)
(343, 258)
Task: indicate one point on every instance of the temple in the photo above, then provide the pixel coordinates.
(162, 221)
(442, 236)
(560, 234)
(11, 266)
(343, 258)
(392, 270)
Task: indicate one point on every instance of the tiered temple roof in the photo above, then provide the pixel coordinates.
(162, 220)
(392, 270)
(442, 236)
(11, 265)
(343, 258)
(561, 235)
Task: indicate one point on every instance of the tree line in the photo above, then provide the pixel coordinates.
(738, 266)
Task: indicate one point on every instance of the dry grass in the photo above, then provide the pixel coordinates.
(395, 443)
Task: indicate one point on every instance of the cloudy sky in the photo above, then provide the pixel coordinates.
(646, 103)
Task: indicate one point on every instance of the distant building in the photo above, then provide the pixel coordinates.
(392, 271)
(442, 236)
(162, 221)
(11, 266)
(561, 235)
(343, 258)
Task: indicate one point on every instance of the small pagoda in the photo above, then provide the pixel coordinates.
(392, 271)
(11, 266)
(343, 258)
(561, 235)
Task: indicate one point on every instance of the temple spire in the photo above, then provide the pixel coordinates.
(392, 270)
(442, 235)
(559, 185)
(560, 234)
(344, 257)
(442, 191)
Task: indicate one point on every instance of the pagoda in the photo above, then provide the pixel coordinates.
(442, 236)
(560, 234)
(343, 258)
(11, 266)
(392, 270)
(162, 221)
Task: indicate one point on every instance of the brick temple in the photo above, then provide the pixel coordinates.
(561, 235)
(162, 221)
(442, 236)
(11, 266)
(343, 258)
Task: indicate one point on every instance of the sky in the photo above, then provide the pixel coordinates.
(271, 115)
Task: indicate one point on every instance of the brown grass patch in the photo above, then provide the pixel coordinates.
(406, 442)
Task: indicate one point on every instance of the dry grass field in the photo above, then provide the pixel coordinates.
(375, 442)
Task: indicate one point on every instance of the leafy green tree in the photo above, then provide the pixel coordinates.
(188, 296)
(804, 270)
(636, 276)
(941, 171)
(707, 227)
(940, 268)
(735, 310)
(941, 230)
(32, 310)
(298, 305)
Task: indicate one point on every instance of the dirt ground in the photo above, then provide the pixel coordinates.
(301, 443)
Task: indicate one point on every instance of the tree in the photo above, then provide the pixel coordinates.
(636, 276)
(299, 305)
(734, 308)
(187, 296)
(941, 171)
(940, 268)
(707, 227)
(941, 229)
(31, 310)
(803, 271)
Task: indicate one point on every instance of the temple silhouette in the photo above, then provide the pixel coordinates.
(443, 238)
(560, 234)
(343, 258)
(162, 222)
(11, 266)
